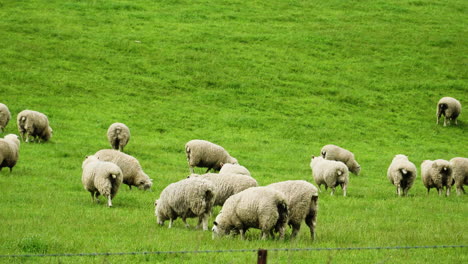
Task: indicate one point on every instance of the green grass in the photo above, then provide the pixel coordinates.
(271, 81)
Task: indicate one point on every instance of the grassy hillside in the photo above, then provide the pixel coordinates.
(271, 81)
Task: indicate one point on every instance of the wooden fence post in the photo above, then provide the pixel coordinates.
(262, 256)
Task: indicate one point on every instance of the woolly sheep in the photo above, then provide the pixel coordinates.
(202, 153)
(227, 184)
(234, 169)
(33, 124)
(257, 207)
(9, 151)
(333, 152)
(188, 198)
(5, 117)
(133, 175)
(460, 173)
(450, 108)
(101, 178)
(437, 174)
(331, 173)
(402, 173)
(118, 135)
(302, 198)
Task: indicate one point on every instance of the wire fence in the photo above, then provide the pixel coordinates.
(226, 251)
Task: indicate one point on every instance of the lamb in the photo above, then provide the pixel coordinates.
(331, 173)
(333, 152)
(402, 173)
(302, 198)
(257, 207)
(460, 173)
(5, 117)
(202, 153)
(450, 108)
(227, 184)
(188, 198)
(9, 151)
(437, 174)
(133, 175)
(118, 135)
(101, 178)
(33, 124)
(234, 169)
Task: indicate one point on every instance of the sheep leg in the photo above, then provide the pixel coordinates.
(242, 233)
(207, 170)
(460, 190)
(447, 191)
(311, 221)
(185, 222)
(439, 191)
(295, 229)
(405, 191)
(333, 191)
(205, 222)
(109, 201)
(170, 222)
(92, 197)
(344, 187)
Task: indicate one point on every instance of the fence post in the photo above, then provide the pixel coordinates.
(262, 256)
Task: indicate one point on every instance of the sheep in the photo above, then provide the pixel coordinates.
(33, 124)
(202, 153)
(450, 108)
(402, 173)
(331, 173)
(333, 152)
(101, 178)
(460, 173)
(5, 117)
(187, 198)
(256, 207)
(234, 168)
(9, 151)
(133, 175)
(302, 198)
(437, 174)
(118, 135)
(227, 184)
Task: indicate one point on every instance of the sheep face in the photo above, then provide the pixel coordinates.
(144, 182)
(219, 230)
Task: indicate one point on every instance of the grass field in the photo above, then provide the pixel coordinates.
(271, 81)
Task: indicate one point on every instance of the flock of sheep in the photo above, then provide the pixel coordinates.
(244, 203)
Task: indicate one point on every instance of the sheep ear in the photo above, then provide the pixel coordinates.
(215, 223)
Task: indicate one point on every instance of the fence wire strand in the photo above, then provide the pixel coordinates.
(224, 251)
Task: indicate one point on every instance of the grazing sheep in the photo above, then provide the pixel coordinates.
(9, 151)
(331, 173)
(333, 152)
(450, 108)
(302, 198)
(201, 153)
(101, 178)
(5, 117)
(187, 198)
(118, 135)
(234, 169)
(437, 174)
(460, 173)
(227, 184)
(256, 207)
(133, 175)
(34, 124)
(402, 173)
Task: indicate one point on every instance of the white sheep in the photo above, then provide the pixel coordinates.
(460, 173)
(256, 207)
(5, 117)
(331, 173)
(227, 184)
(33, 124)
(188, 198)
(101, 178)
(333, 152)
(234, 169)
(9, 151)
(302, 198)
(133, 175)
(402, 173)
(450, 108)
(437, 174)
(118, 135)
(202, 153)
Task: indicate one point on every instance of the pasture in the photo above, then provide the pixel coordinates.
(270, 81)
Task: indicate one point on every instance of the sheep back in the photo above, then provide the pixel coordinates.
(118, 136)
(234, 169)
(101, 177)
(133, 174)
(9, 151)
(402, 173)
(331, 173)
(5, 116)
(460, 173)
(333, 152)
(202, 153)
(33, 124)
(450, 108)
(437, 174)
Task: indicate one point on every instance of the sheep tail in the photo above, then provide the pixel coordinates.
(404, 171)
(113, 176)
(339, 172)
